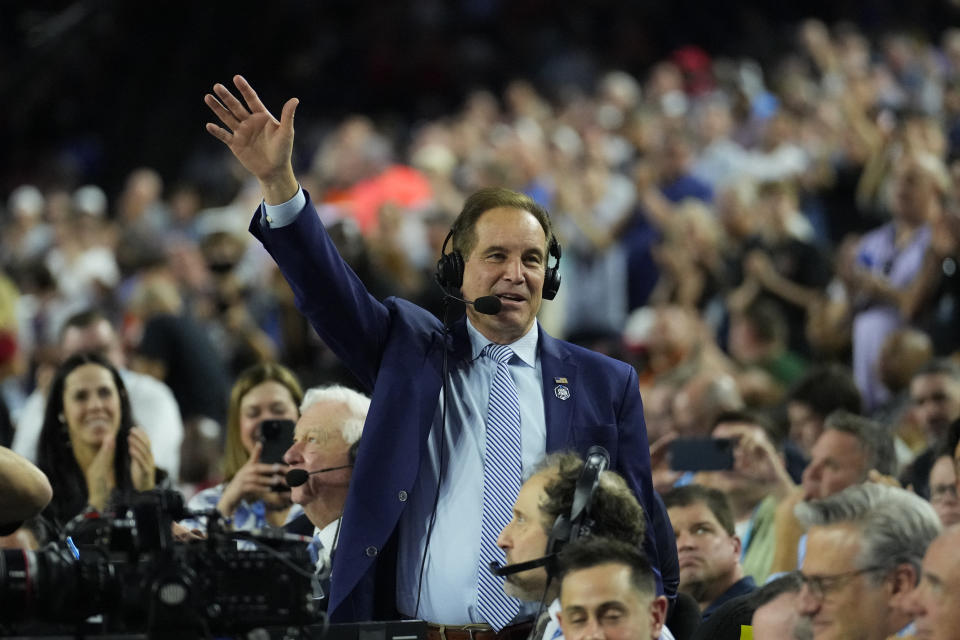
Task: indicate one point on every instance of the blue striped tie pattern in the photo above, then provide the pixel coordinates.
(315, 549)
(502, 470)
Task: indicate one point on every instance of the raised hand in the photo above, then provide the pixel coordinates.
(143, 469)
(755, 457)
(99, 475)
(261, 143)
(252, 482)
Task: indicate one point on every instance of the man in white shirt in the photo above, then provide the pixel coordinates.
(153, 404)
(324, 445)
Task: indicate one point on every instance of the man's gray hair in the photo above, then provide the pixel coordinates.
(896, 526)
(357, 404)
(875, 439)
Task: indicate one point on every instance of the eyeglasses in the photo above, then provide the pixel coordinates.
(821, 586)
(941, 492)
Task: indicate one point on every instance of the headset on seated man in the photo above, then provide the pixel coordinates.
(570, 527)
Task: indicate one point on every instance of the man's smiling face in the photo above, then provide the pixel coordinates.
(508, 261)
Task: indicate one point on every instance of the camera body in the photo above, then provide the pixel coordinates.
(139, 580)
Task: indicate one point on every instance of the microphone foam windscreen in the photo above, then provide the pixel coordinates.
(296, 477)
(488, 305)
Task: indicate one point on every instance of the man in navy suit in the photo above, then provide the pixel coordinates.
(409, 543)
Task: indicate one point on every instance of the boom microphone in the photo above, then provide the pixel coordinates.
(487, 305)
(297, 477)
(498, 569)
(596, 462)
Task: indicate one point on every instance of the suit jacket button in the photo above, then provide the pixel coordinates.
(371, 551)
(402, 496)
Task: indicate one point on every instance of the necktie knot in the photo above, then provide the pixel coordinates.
(500, 353)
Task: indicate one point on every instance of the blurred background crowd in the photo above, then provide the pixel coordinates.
(745, 203)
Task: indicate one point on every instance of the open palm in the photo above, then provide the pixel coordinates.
(261, 143)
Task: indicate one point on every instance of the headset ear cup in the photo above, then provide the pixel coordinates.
(559, 534)
(450, 270)
(551, 277)
(450, 266)
(441, 274)
(551, 283)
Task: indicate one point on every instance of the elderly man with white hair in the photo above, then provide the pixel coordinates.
(325, 443)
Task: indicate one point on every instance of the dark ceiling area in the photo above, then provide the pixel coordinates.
(91, 89)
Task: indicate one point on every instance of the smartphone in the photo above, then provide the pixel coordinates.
(277, 437)
(702, 454)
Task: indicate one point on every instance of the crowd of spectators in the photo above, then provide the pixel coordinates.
(772, 246)
(724, 225)
(717, 216)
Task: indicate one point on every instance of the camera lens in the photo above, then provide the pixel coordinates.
(18, 569)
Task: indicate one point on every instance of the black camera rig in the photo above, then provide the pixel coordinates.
(127, 575)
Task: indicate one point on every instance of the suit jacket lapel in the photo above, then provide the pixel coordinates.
(559, 372)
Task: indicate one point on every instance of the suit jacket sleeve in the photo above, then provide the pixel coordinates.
(327, 291)
(633, 462)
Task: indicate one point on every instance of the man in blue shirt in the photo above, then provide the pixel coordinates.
(410, 541)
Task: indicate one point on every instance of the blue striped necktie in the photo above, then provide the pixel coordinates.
(501, 484)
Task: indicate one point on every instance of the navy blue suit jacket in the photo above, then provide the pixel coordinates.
(395, 349)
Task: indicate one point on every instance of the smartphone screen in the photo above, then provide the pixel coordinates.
(277, 437)
(702, 454)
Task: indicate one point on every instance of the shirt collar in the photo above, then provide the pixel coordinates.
(525, 348)
(327, 534)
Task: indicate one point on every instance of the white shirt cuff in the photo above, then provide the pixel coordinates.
(280, 215)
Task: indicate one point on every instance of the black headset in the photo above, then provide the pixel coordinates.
(570, 527)
(579, 522)
(450, 268)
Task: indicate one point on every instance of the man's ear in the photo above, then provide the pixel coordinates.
(737, 545)
(658, 615)
(903, 580)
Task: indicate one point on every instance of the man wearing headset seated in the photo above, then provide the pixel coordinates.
(325, 448)
(541, 525)
(416, 535)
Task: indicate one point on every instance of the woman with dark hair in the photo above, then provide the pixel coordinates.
(89, 447)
